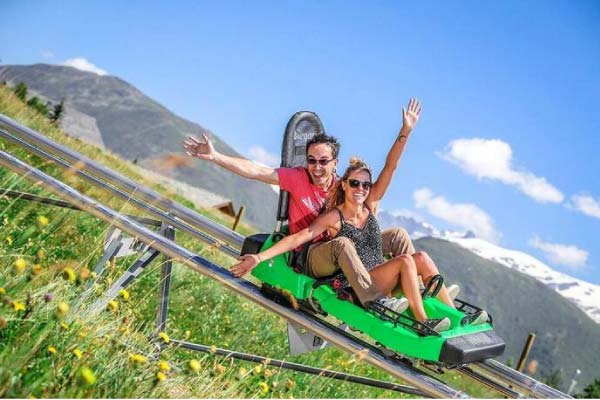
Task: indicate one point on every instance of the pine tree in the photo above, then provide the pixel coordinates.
(36, 104)
(57, 112)
(21, 91)
(591, 391)
(554, 379)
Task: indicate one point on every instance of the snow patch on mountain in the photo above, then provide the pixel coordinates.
(583, 294)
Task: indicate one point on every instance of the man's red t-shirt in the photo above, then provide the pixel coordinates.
(305, 200)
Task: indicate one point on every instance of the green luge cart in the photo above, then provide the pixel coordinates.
(399, 333)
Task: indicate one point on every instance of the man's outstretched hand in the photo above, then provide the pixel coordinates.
(195, 148)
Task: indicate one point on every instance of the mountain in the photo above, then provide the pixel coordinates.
(113, 114)
(583, 294)
(566, 338)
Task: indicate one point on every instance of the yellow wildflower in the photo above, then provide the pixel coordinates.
(137, 358)
(36, 269)
(93, 275)
(62, 309)
(268, 373)
(219, 369)
(124, 294)
(258, 369)
(69, 274)
(87, 376)
(9, 240)
(164, 337)
(42, 221)
(64, 325)
(187, 334)
(77, 353)
(41, 254)
(194, 365)
(113, 305)
(82, 333)
(18, 306)
(2, 291)
(52, 349)
(84, 274)
(164, 366)
(160, 376)
(242, 372)
(20, 265)
(263, 387)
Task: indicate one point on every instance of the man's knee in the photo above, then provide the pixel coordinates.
(342, 245)
(397, 241)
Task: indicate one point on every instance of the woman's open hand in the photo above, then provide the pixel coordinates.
(246, 264)
(410, 117)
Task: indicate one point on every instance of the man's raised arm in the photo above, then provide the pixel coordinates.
(241, 166)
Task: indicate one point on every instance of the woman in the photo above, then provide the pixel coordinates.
(353, 204)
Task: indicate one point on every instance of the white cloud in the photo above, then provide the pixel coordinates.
(47, 55)
(585, 204)
(262, 156)
(83, 65)
(561, 254)
(467, 216)
(491, 159)
(404, 212)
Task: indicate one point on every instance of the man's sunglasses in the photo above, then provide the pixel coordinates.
(322, 162)
(354, 183)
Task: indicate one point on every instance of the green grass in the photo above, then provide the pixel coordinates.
(46, 255)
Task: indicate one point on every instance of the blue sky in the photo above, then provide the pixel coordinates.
(507, 144)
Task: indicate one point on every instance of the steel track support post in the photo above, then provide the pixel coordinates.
(165, 284)
(123, 281)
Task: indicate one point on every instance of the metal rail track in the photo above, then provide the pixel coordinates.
(125, 184)
(490, 372)
(429, 385)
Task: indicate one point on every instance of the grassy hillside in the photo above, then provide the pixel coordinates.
(48, 348)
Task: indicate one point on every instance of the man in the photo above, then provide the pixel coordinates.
(308, 187)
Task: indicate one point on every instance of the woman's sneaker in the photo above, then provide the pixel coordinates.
(478, 318)
(395, 304)
(438, 325)
(453, 291)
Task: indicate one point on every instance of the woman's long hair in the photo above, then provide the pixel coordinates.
(336, 193)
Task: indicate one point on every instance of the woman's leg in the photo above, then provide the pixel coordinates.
(427, 269)
(401, 270)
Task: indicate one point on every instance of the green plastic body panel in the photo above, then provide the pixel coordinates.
(277, 273)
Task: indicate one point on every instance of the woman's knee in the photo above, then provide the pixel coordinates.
(405, 262)
(421, 257)
(425, 263)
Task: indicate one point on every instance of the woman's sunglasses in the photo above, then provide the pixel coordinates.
(322, 162)
(354, 183)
